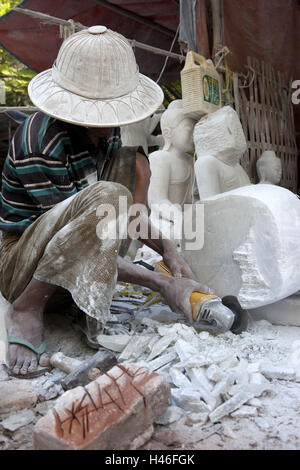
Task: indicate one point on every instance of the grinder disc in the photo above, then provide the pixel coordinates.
(240, 323)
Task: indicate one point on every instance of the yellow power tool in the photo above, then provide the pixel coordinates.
(212, 313)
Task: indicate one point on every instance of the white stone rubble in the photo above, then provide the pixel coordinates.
(229, 406)
(196, 418)
(17, 420)
(210, 375)
(48, 386)
(284, 372)
(171, 415)
(245, 412)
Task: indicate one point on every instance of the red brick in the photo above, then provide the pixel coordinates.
(106, 414)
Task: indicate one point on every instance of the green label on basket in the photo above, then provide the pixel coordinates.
(211, 91)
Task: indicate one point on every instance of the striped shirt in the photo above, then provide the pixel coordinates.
(48, 161)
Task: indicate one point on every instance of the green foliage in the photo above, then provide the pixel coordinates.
(7, 5)
(172, 92)
(13, 73)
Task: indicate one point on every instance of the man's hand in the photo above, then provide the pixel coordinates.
(175, 262)
(177, 293)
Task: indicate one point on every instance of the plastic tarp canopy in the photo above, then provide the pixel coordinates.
(266, 29)
(36, 44)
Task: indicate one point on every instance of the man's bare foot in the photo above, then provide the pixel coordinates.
(29, 326)
(25, 320)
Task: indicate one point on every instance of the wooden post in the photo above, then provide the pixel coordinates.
(218, 23)
(218, 36)
(201, 29)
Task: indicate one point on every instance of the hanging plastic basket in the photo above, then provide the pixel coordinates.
(200, 86)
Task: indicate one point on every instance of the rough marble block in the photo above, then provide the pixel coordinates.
(109, 413)
(219, 143)
(251, 244)
(220, 134)
(283, 312)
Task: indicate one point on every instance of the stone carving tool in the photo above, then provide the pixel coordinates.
(212, 313)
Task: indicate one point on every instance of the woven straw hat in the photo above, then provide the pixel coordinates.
(95, 82)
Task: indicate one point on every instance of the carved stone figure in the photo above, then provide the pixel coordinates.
(140, 133)
(219, 143)
(172, 172)
(269, 168)
(172, 176)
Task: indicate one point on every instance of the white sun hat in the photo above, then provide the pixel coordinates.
(95, 82)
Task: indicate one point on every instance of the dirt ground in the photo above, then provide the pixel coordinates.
(276, 426)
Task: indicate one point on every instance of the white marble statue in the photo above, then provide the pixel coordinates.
(251, 244)
(219, 143)
(269, 168)
(140, 133)
(172, 168)
(172, 171)
(172, 175)
(251, 232)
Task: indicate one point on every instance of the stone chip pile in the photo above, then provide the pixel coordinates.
(210, 376)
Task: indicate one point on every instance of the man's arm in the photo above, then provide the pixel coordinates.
(175, 291)
(142, 179)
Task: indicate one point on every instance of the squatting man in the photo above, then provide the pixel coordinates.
(64, 162)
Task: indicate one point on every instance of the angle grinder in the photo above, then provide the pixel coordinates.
(211, 313)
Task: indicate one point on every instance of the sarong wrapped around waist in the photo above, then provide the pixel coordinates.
(65, 247)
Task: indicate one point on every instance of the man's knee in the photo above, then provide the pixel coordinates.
(107, 189)
(117, 195)
(103, 192)
(121, 190)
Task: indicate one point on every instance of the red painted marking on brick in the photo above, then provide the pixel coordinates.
(113, 401)
(91, 398)
(58, 424)
(100, 396)
(115, 381)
